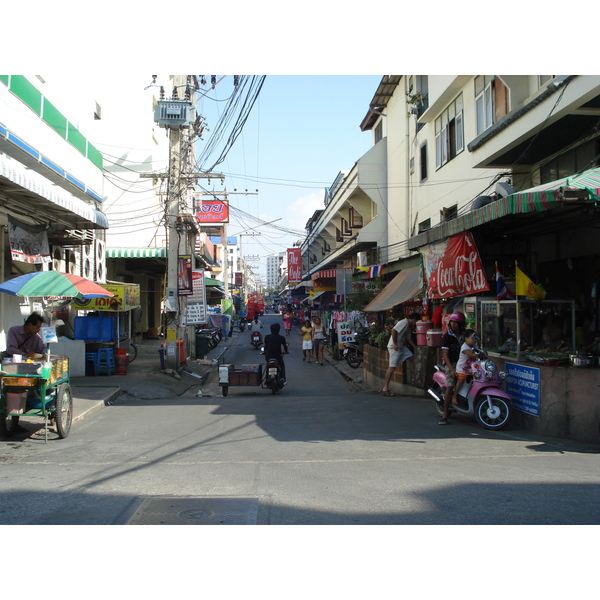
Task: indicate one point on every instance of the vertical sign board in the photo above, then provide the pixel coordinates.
(344, 332)
(294, 264)
(196, 305)
(523, 386)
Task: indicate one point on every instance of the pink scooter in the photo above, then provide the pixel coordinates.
(480, 396)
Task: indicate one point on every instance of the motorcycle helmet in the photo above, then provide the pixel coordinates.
(458, 317)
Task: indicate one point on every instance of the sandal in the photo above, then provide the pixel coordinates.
(443, 421)
(387, 393)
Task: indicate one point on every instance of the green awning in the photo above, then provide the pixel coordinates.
(536, 199)
(209, 281)
(136, 253)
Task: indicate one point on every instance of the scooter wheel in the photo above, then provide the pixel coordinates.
(493, 413)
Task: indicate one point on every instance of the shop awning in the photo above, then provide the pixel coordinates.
(326, 274)
(404, 287)
(136, 253)
(580, 187)
(211, 282)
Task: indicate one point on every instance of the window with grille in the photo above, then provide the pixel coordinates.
(449, 136)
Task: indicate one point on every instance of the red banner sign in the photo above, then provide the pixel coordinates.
(453, 268)
(213, 211)
(294, 264)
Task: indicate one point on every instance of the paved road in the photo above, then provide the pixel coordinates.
(321, 452)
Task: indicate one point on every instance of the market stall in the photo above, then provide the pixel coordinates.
(106, 326)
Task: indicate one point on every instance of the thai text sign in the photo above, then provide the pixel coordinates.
(294, 264)
(196, 303)
(126, 296)
(213, 211)
(453, 268)
(344, 333)
(523, 386)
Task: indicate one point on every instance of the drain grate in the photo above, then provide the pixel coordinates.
(196, 511)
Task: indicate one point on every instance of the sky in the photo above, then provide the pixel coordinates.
(303, 130)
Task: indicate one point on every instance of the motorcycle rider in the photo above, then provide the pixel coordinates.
(275, 347)
(451, 345)
(256, 325)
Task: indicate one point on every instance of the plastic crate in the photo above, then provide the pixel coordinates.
(94, 329)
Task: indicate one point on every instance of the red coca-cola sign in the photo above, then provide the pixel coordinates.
(294, 264)
(453, 268)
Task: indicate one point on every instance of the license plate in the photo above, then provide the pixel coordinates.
(272, 371)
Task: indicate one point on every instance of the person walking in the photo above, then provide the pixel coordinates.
(306, 333)
(318, 340)
(398, 349)
(451, 345)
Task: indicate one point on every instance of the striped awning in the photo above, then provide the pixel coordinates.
(326, 274)
(136, 253)
(536, 199)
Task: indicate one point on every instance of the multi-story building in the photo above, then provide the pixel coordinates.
(274, 263)
(51, 183)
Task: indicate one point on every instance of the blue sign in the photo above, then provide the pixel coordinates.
(523, 386)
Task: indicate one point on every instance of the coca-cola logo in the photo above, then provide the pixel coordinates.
(458, 272)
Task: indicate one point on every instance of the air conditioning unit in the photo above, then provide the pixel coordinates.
(361, 259)
(73, 261)
(99, 261)
(59, 262)
(87, 261)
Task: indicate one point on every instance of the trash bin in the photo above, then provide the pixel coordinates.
(201, 345)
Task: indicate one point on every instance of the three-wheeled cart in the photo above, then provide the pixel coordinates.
(266, 376)
(36, 389)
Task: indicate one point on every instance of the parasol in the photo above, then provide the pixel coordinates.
(53, 283)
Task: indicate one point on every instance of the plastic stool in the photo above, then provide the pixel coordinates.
(106, 361)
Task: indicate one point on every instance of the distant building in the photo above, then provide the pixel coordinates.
(274, 264)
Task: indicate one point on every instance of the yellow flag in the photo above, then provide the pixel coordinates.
(366, 269)
(526, 287)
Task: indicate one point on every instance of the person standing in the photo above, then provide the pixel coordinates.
(287, 322)
(318, 340)
(306, 333)
(397, 348)
(451, 345)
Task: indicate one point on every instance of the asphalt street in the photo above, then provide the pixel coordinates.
(324, 450)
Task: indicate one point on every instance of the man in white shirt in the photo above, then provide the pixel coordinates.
(397, 349)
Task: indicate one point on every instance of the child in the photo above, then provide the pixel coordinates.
(306, 333)
(467, 356)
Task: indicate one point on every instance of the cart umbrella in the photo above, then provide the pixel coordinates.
(53, 283)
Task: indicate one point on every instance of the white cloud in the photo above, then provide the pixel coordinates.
(300, 211)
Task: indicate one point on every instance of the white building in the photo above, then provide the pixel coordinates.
(274, 265)
(51, 178)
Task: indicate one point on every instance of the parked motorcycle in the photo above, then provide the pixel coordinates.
(353, 351)
(480, 396)
(255, 340)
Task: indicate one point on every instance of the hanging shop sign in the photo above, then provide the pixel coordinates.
(213, 211)
(28, 243)
(453, 268)
(184, 275)
(195, 312)
(294, 264)
(126, 297)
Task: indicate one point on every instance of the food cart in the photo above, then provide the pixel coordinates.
(36, 388)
